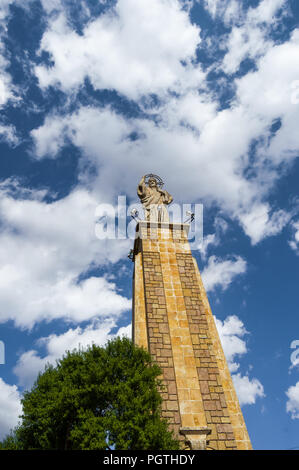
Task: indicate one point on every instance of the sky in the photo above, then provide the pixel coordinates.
(204, 93)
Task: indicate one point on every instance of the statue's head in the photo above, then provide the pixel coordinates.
(152, 182)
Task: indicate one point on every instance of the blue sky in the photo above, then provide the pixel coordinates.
(204, 93)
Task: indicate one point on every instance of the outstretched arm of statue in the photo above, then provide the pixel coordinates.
(166, 197)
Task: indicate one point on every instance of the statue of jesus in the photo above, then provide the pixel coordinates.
(153, 198)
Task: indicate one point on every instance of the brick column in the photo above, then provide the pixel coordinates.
(172, 319)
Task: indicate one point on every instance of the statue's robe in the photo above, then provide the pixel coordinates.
(153, 201)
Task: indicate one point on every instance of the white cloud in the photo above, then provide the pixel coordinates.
(213, 239)
(103, 137)
(193, 108)
(8, 134)
(221, 273)
(259, 224)
(44, 248)
(294, 244)
(233, 11)
(208, 148)
(49, 137)
(293, 401)
(5, 84)
(250, 39)
(10, 407)
(224, 9)
(31, 363)
(268, 92)
(248, 390)
(250, 29)
(266, 11)
(295, 355)
(51, 5)
(4, 9)
(208, 240)
(243, 42)
(231, 330)
(7, 90)
(146, 44)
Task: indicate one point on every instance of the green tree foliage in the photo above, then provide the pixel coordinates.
(100, 398)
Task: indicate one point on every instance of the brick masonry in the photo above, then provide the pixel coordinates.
(214, 403)
(158, 335)
(172, 318)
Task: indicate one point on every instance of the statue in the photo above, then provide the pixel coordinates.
(153, 198)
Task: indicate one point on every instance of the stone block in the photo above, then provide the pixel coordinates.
(168, 373)
(203, 373)
(224, 428)
(172, 405)
(204, 387)
(209, 405)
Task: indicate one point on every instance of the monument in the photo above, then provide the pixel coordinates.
(173, 320)
(153, 198)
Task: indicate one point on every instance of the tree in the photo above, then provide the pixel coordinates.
(98, 398)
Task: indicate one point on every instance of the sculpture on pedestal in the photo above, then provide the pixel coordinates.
(153, 198)
(173, 320)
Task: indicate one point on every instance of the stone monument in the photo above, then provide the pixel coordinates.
(154, 200)
(173, 320)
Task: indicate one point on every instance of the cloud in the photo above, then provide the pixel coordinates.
(226, 10)
(191, 133)
(294, 244)
(5, 82)
(233, 12)
(247, 390)
(8, 134)
(250, 38)
(268, 93)
(139, 41)
(266, 11)
(31, 363)
(220, 273)
(213, 239)
(295, 355)
(292, 405)
(231, 330)
(103, 136)
(45, 248)
(10, 407)
(208, 240)
(259, 224)
(52, 5)
(7, 89)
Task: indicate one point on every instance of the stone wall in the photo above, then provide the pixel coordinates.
(172, 319)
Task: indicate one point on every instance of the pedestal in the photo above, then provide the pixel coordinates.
(173, 320)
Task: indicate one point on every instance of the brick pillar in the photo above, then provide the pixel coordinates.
(173, 320)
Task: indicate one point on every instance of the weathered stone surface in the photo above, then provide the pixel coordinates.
(172, 318)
